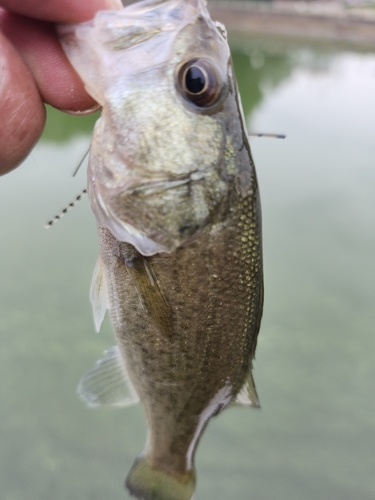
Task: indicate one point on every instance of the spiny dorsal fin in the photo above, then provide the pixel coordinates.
(247, 396)
(108, 382)
(99, 293)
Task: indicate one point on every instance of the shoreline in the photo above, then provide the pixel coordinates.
(323, 21)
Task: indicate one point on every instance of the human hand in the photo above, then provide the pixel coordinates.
(34, 70)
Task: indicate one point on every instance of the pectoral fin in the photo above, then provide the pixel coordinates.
(247, 396)
(150, 293)
(108, 382)
(99, 293)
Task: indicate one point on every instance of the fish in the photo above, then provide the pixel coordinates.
(173, 187)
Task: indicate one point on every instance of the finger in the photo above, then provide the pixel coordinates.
(37, 43)
(21, 109)
(60, 11)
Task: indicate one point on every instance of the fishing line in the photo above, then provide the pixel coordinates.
(80, 163)
(273, 136)
(65, 210)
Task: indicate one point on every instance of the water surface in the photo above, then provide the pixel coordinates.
(314, 437)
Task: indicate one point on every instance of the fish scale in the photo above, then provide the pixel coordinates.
(221, 344)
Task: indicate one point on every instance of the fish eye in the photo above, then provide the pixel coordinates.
(199, 82)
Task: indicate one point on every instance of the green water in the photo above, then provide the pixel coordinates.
(315, 435)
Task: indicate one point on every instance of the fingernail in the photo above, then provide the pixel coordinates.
(83, 112)
(114, 4)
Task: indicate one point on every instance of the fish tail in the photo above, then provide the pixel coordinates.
(148, 483)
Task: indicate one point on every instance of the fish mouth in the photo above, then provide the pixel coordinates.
(138, 179)
(157, 185)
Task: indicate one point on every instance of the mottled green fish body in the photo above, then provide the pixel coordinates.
(173, 186)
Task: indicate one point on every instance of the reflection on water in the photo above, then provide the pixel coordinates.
(257, 70)
(314, 437)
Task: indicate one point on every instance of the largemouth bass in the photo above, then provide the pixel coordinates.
(173, 187)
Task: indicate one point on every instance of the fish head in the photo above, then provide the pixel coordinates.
(162, 74)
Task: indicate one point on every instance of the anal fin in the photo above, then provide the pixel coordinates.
(107, 383)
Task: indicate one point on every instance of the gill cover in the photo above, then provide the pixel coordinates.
(159, 69)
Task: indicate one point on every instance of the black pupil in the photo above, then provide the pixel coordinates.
(195, 80)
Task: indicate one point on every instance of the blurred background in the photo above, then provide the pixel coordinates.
(314, 437)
